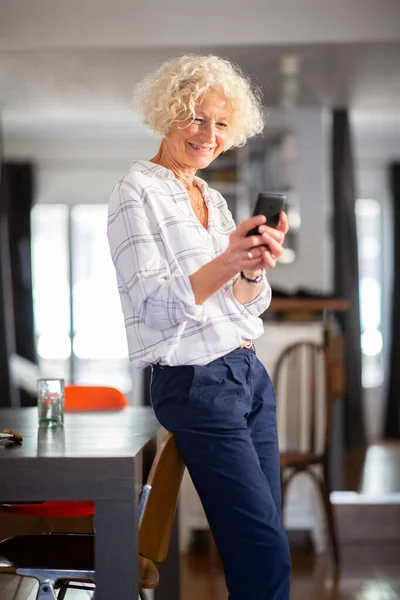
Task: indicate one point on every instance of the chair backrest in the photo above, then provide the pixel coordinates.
(159, 500)
(92, 398)
(302, 383)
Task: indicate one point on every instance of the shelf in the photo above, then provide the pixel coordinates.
(309, 305)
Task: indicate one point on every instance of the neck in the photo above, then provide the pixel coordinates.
(165, 159)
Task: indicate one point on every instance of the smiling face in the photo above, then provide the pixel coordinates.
(194, 145)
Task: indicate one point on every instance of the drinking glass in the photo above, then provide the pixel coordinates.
(51, 402)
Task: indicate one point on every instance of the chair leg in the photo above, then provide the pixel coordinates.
(62, 592)
(284, 484)
(330, 517)
(213, 551)
(285, 480)
(143, 595)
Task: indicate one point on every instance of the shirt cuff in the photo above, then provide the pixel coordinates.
(260, 303)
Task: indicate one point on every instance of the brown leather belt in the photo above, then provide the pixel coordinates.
(246, 344)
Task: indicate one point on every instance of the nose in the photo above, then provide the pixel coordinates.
(208, 132)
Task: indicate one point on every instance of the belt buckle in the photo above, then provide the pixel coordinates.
(246, 344)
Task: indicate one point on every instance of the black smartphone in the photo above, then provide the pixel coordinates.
(269, 205)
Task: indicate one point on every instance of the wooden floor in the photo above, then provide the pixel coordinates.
(375, 472)
(370, 568)
(368, 573)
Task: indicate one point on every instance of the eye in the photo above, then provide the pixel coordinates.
(198, 120)
(223, 125)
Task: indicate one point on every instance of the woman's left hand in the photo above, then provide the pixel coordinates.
(274, 239)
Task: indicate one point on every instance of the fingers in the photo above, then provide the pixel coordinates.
(253, 241)
(283, 223)
(261, 221)
(270, 250)
(277, 234)
(261, 257)
(272, 240)
(253, 260)
(273, 246)
(269, 260)
(263, 260)
(255, 254)
(257, 251)
(248, 224)
(256, 258)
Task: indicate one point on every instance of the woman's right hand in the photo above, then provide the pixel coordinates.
(247, 253)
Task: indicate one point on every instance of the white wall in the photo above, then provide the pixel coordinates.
(78, 171)
(312, 268)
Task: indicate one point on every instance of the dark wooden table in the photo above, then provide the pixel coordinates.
(92, 458)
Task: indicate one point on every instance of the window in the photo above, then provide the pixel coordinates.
(78, 318)
(369, 234)
(50, 273)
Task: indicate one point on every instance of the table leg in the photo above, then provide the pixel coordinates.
(116, 554)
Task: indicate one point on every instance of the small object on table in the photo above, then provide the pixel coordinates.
(51, 402)
(11, 436)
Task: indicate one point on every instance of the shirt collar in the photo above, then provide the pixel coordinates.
(152, 170)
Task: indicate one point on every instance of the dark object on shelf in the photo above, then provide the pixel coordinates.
(300, 293)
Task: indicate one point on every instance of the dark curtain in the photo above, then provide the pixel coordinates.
(392, 420)
(19, 178)
(17, 190)
(346, 276)
(8, 393)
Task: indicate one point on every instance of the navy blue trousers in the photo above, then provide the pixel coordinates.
(223, 416)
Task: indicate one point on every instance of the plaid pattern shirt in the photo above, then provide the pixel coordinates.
(156, 243)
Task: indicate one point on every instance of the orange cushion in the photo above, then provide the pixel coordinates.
(93, 398)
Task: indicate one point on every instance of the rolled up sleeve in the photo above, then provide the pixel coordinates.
(160, 293)
(261, 302)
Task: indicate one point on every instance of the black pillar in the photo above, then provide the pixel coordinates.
(9, 395)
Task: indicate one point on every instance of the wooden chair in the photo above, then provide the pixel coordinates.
(303, 385)
(77, 398)
(56, 560)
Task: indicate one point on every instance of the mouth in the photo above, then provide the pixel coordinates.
(203, 150)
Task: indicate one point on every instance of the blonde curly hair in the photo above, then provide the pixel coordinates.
(170, 94)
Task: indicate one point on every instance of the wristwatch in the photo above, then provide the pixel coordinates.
(256, 280)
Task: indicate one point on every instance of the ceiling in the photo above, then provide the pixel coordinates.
(57, 81)
(29, 25)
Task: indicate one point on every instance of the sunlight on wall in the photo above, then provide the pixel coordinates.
(369, 233)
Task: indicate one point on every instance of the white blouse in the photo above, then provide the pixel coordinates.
(156, 243)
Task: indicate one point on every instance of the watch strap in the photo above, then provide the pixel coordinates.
(256, 280)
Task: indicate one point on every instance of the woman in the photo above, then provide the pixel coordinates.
(192, 287)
